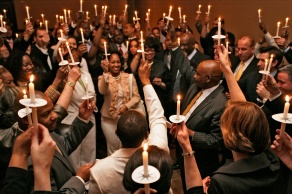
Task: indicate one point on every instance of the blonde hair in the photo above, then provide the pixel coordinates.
(245, 128)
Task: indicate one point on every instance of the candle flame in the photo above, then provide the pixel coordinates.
(145, 147)
(272, 55)
(178, 97)
(287, 98)
(24, 91)
(279, 23)
(31, 78)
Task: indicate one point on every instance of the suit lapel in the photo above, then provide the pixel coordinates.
(193, 90)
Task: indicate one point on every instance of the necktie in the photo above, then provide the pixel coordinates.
(120, 49)
(192, 102)
(240, 71)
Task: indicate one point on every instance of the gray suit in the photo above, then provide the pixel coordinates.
(204, 120)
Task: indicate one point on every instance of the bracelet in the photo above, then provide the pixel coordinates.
(188, 154)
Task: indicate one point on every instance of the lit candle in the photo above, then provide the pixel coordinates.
(285, 115)
(149, 11)
(184, 20)
(145, 159)
(87, 16)
(145, 166)
(266, 64)
(70, 53)
(136, 14)
(31, 90)
(27, 109)
(169, 14)
(69, 16)
(125, 11)
(1, 20)
(270, 63)
(286, 24)
(142, 46)
(95, 10)
(278, 26)
(114, 20)
(81, 5)
(219, 30)
(105, 7)
(259, 12)
(61, 54)
(82, 35)
(178, 107)
(27, 13)
(110, 19)
(4, 11)
(4, 24)
(209, 7)
(227, 45)
(61, 33)
(16, 35)
(147, 17)
(102, 9)
(179, 13)
(199, 8)
(47, 29)
(163, 16)
(127, 43)
(57, 18)
(65, 15)
(43, 18)
(26, 21)
(134, 20)
(105, 50)
(178, 41)
(61, 20)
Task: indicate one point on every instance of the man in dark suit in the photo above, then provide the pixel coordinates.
(245, 67)
(63, 176)
(42, 57)
(203, 106)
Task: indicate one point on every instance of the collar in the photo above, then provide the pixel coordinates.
(192, 54)
(246, 63)
(44, 51)
(274, 73)
(209, 90)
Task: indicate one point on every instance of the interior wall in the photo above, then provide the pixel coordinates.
(241, 16)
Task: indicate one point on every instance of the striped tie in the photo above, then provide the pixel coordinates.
(240, 71)
(192, 102)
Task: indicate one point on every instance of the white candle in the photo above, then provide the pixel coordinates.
(61, 19)
(65, 15)
(286, 108)
(47, 29)
(169, 14)
(57, 18)
(286, 24)
(105, 50)
(127, 43)
(163, 16)
(70, 53)
(114, 20)
(4, 11)
(219, 30)
(147, 16)
(43, 18)
(184, 20)
(1, 20)
(87, 15)
(61, 54)
(259, 12)
(4, 24)
(27, 13)
(178, 41)
(105, 7)
(199, 8)
(278, 26)
(178, 107)
(134, 20)
(61, 35)
(110, 19)
(149, 11)
(266, 64)
(81, 5)
(125, 11)
(270, 63)
(82, 35)
(227, 45)
(145, 159)
(16, 35)
(142, 46)
(41, 24)
(95, 10)
(27, 109)
(209, 8)
(179, 13)
(136, 14)
(31, 90)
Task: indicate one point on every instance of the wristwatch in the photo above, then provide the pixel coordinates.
(71, 84)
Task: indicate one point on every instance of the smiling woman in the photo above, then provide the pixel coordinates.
(21, 68)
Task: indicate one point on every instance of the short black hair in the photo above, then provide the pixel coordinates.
(272, 50)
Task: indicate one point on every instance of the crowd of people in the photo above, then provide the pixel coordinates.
(101, 75)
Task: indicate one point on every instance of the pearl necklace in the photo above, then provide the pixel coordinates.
(117, 78)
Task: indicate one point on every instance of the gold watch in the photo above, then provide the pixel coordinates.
(71, 84)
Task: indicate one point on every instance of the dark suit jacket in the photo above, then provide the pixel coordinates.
(198, 58)
(41, 66)
(249, 78)
(288, 56)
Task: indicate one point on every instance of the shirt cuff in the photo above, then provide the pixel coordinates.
(81, 179)
(85, 121)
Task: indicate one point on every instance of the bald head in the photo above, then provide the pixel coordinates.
(208, 74)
